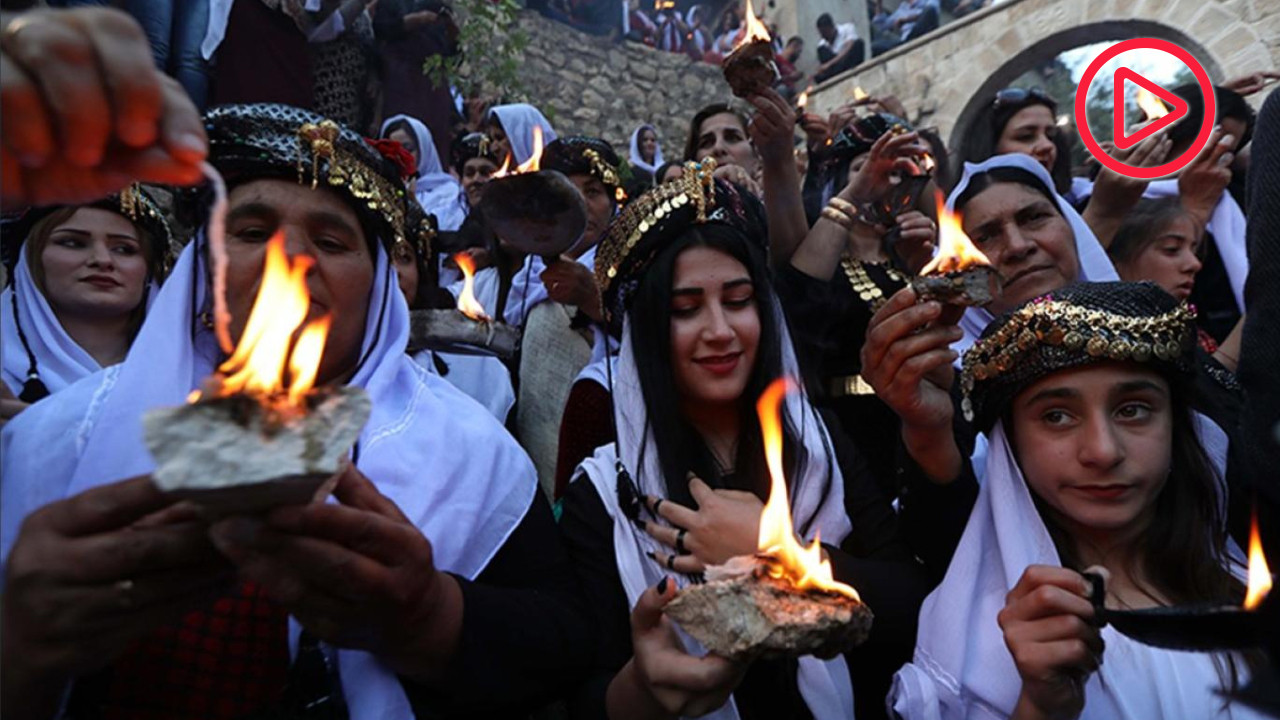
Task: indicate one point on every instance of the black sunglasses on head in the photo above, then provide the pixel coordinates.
(1020, 96)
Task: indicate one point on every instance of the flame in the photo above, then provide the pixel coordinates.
(1259, 573)
(257, 367)
(955, 250)
(533, 164)
(803, 100)
(753, 29)
(859, 94)
(1150, 104)
(803, 566)
(467, 303)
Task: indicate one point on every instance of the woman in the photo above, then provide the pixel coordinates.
(718, 131)
(1096, 461)
(682, 487)
(80, 289)
(429, 507)
(1024, 121)
(510, 131)
(646, 152)
(437, 191)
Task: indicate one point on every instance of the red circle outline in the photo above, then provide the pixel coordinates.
(1202, 79)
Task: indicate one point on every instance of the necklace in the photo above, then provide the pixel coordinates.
(862, 283)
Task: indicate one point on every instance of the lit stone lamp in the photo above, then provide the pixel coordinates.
(751, 67)
(781, 601)
(959, 275)
(466, 330)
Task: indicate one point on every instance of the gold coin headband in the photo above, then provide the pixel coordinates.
(1097, 334)
(320, 141)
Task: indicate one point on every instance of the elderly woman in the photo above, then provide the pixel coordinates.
(374, 584)
(79, 290)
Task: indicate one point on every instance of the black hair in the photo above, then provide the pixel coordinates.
(695, 127)
(824, 20)
(984, 180)
(1230, 104)
(679, 446)
(1142, 226)
(662, 170)
(979, 146)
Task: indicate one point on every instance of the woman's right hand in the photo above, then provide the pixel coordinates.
(662, 679)
(1048, 627)
(907, 358)
(891, 152)
(735, 174)
(90, 574)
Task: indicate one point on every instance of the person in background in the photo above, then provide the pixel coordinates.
(175, 31)
(839, 49)
(474, 163)
(407, 32)
(510, 130)
(646, 152)
(81, 281)
(436, 190)
(910, 20)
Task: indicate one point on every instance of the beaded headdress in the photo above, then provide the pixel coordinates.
(582, 155)
(1081, 324)
(273, 140)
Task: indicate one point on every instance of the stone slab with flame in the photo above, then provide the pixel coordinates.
(468, 329)
(751, 67)
(960, 274)
(246, 441)
(782, 601)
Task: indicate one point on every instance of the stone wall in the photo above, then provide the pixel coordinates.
(590, 86)
(947, 75)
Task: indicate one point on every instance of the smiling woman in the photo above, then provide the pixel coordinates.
(80, 290)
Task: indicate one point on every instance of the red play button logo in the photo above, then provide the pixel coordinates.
(1179, 111)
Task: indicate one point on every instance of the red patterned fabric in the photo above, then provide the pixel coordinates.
(220, 663)
(1207, 343)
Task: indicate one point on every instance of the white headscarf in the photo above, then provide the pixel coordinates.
(60, 361)
(1095, 266)
(437, 191)
(518, 121)
(637, 159)
(465, 503)
(962, 668)
(817, 507)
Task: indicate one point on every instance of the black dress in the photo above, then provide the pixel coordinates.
(892, 575)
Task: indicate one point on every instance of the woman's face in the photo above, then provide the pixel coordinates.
(1170, 261)
(1027, 241)
(1100, 442)
(1031, 131)
(600, 204)
(715, 327)
(499, 143)
(318, 225)
(674, 172)
(724, 138)
(648, 144)
(406, 272)
(94, 266)
(409, 142)
(475, 175)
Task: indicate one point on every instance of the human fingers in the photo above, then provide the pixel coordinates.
(646, 616)
(881, 336)
(664, 534)
(129, 72)
(105, 507)
(28, 129)
(357, 490)
(701, 492)
(133, 550)
(684, 564)
(1045, 579)
(61, 59)
(671, 511)
(181, 129)
(9, 409)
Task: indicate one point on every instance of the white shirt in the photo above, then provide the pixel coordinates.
(846, 33)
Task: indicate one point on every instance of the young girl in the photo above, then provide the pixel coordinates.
(1095, 461)
(683, 271)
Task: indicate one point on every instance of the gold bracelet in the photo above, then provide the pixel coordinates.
(837, 217)
(844, 206)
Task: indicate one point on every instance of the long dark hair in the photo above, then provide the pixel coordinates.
(980, 144)
(1143, 225)
(679, 446)
(1184, 550)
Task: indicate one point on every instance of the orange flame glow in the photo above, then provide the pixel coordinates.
(1150, 104)
(257, 367)
(859, 94)
(1259, 573)
(803, 100)
(804, 567)
(533, 164)
(955, 250)
(752, 30)
(467, 303)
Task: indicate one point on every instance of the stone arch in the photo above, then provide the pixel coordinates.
(1051, 46)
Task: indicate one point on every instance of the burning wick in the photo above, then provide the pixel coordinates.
(1259, 573)
(959, 274)
(1150, 104)
(533, 164)
(859, 95)
(467, 303)
(801, 103)
(750, 67)
(803, 567)
(218, 255)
